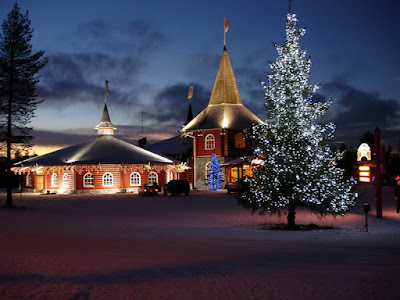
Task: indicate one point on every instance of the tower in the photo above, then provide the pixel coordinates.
(221, 127)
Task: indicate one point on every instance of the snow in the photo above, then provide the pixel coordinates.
(203, 246)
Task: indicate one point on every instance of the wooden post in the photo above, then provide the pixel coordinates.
(378, 173)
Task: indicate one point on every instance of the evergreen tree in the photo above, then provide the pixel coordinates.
(299, 166)
(214, 177)
(19, 69)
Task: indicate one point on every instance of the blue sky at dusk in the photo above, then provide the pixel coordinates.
(152, 51)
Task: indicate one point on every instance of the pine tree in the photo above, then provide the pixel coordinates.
(19, 69)
(214, 177)
(299, 166)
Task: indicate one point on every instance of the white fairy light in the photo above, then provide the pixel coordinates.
(297, 168)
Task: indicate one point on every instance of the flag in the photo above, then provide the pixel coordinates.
(190, 95)
(107, 92)
(226, 25)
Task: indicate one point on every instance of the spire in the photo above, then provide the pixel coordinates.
(225, 90)
(189, 114)
(105, 127)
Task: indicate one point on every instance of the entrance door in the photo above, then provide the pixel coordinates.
(39, 183)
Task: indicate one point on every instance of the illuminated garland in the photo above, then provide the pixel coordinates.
(214, 177)
(298, 168)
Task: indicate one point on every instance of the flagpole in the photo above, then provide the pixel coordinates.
(106, 93)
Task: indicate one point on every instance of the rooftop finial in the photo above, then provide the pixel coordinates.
(290, 6)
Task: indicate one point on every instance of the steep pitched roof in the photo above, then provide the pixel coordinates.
(225, 90)
(105, 122)
(104, 149)
(225, 108)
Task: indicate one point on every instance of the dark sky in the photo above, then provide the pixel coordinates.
(151, 51)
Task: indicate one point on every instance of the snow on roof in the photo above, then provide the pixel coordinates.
(223, 116)
(172, 146)
(104, 149)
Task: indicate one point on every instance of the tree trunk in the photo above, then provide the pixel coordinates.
(292, 214)
(9, 139)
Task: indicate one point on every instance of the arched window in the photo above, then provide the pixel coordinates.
(29, 180)
(240, 142)
(108, 179)
(88, 180)
(153, 178)
(54, 180)
(135, 179)
(210, 142)
(65, 181)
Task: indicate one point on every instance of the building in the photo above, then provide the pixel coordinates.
(104, 164)
(223, 128)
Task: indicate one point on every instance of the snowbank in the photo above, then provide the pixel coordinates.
(203, 246)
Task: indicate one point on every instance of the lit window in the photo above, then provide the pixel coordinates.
(54, 180)
(240, 142)
(210, 142)
(135, 179)
(88, 180)
(108, 179)
(65, 180)
(29, 180)
(153, 178)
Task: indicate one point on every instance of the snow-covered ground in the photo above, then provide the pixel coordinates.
(203, 246)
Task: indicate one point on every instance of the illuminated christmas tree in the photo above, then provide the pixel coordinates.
(214, 177)
(298, 167)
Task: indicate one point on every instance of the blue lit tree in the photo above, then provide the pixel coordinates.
(298, 167)
(214, 177)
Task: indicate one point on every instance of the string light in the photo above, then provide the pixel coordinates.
(298, 168)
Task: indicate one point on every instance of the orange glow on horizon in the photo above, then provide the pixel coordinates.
(41, 150)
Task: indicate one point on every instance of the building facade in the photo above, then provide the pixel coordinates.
(223, 128)
(103, 164)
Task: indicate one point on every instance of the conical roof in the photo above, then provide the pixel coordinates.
(104, 149)
(105, 123)
(225, 108)
(225, 90)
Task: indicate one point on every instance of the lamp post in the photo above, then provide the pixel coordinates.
(366, 211)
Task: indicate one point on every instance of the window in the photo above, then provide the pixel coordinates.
(240, 142)
(65, 181)
(108, 179)
(135, 179)
(29, 180)
(88, 180)
(54, 180)
(210, 142)
(153, 178)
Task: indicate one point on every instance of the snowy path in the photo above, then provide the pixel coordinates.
(200, 247)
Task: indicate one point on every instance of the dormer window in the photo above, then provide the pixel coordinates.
(210, 142)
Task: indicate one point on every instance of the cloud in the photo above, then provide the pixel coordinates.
(356, 112)
(135, 38)
(79, 77)
(171, 103)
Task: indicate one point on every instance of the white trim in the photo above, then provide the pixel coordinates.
(209, 142)
(150, 177)
(130, 179)
(65, 180)
(84, 180)
(54, 180)
(108, 179)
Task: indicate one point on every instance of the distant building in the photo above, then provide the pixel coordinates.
(103, 164)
